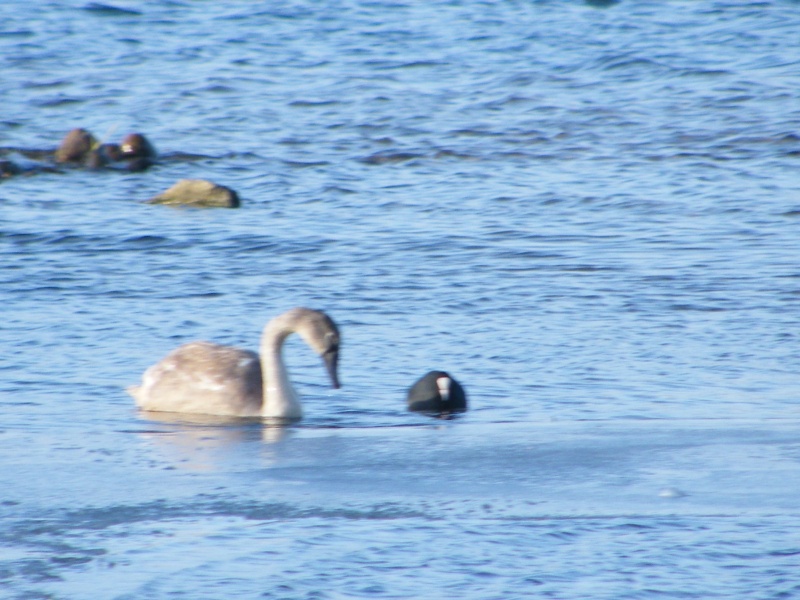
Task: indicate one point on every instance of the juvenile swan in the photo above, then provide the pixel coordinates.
(206, 378)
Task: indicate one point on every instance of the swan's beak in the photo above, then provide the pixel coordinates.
(331, 362)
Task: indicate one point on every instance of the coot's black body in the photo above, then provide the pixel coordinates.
(437, 393)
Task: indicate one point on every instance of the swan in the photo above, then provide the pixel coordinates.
(208, 378)
(437, 392)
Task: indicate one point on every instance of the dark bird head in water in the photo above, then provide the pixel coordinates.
(438, 394)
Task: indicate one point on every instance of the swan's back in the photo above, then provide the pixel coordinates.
(202, 377)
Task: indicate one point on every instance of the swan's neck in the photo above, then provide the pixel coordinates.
(280, 399)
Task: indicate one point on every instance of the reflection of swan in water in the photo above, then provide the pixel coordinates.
(231, 429)
(209, 443)
(207, 378)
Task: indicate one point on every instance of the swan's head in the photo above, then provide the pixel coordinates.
(321, 333)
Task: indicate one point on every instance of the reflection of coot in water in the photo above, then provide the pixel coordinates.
(437, 393)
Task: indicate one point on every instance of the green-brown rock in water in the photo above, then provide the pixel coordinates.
(198, 192)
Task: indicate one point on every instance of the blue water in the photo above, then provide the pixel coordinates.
(587, 212)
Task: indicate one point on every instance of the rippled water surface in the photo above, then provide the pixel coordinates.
(587, 212)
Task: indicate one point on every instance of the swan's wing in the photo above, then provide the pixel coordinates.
(201, 377)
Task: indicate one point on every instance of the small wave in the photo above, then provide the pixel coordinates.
(17, 33)
(98, 518)
(57, 101)
(384, 158)
(108, 10)
(314, 103)
(417, 64)
(297, 164)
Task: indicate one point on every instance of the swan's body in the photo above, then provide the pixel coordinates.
(438, 393)
(207, 378)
